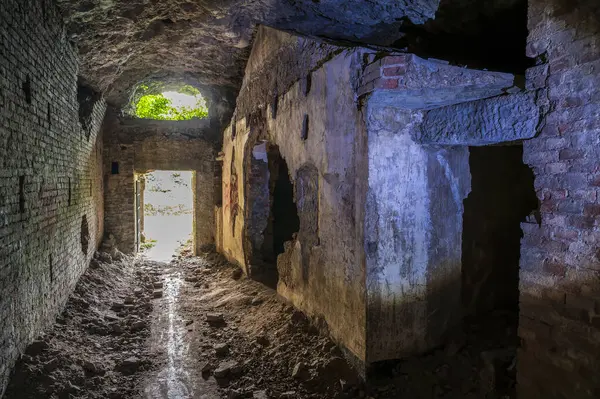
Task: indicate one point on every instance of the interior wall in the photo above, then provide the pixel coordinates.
(50, 174)
(316, 126)
(501, 197)
(139, 146)
(559, 323)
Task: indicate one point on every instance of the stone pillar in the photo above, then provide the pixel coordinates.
(204, 211)
(413, 232)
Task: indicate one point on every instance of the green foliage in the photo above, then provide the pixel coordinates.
(153, 185)
(147, 244)
(177, 179)
(157, 106)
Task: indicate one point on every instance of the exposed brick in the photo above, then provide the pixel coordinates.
(140, 146)
(556, 168)
(595, 180)
(569, 235)
(394, 60)
(570, 206)
(533, 157)
(581, 222)
(556, 143)
(51, 176)
(388, 83)
(394, 71)
(568, 160)
(591, 210)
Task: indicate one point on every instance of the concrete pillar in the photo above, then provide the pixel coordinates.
(413, 232)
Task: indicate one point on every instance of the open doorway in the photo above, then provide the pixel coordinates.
(167, 209)
(273, 218)
(502, 197)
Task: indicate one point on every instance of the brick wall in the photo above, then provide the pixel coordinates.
(560, 262)
(139, 146)
(50, 174)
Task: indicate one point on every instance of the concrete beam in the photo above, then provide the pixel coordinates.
(410, 82)
(495, 120)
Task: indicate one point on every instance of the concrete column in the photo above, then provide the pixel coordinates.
(413, 232)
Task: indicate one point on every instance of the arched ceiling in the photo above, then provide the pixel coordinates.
(122, 43)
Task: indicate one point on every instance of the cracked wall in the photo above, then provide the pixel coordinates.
(51, 190)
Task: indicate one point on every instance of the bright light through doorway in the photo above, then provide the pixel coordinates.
(168, 213)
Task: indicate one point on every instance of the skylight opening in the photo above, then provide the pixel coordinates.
(183, 104)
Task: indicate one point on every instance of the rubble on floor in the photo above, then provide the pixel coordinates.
(282, 354)
(243, 341)
(97, 347)
(246, 340)
(478, 362)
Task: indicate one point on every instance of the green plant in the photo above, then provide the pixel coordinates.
(149, 243)
(157, 106)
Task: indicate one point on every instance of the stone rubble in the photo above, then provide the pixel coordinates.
(96, 348)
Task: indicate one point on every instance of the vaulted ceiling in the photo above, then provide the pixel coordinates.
(122, 43)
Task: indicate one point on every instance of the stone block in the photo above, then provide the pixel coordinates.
(496, 120)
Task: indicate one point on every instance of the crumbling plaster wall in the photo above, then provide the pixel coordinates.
(139, 146)
(321, 90)
(50, 174)
(420, 116)
(335, 269)
(413, 228)
(559, 323)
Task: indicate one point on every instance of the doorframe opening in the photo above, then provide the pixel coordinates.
(140, 202)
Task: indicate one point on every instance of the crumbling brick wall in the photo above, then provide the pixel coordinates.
(559, 321)
(50, 174)
(138, 146)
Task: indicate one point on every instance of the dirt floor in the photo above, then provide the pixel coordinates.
(196, 328)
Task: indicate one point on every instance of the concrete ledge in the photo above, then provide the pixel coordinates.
(495, 120)
(408, 81)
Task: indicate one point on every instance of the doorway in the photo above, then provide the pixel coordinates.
(273, 218)
(502, 196)
(168, 210)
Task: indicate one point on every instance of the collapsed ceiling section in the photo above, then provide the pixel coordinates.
(207, 42)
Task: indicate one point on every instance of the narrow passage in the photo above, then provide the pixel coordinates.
(196, 328)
